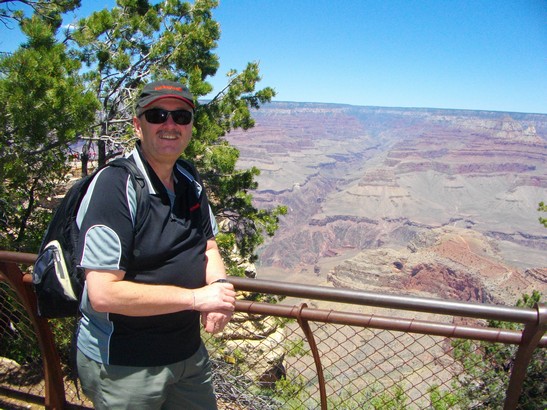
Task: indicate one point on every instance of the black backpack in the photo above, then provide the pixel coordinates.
(58, 281)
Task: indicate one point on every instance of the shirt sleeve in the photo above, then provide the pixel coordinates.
(106, 220)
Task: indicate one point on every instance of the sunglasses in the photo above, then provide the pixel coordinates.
(159, 116)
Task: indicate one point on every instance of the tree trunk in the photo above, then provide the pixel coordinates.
(84, 158)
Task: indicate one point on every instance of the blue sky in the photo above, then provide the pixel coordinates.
(465, 54)
(479, 54)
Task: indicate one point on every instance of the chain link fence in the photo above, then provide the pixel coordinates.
(273, 361)
(369, 369)
(20, 358)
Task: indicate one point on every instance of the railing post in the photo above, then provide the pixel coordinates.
(531, 336)
(54, 387)
(316, 358)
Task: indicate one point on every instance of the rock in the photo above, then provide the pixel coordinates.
(447, 263)
(257, 340)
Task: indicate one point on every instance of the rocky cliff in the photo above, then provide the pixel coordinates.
(447, 263)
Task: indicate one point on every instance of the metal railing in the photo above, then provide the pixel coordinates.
(299, 357)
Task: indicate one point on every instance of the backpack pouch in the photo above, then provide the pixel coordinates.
(52, 282)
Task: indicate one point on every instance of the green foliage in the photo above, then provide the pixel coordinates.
(487, 368)
(393, 399)
(63, 332)
(542, 208)
(442, 400)
(49, 10)
(45, 108)
(232, 202)
(295, 348)
(290, 390)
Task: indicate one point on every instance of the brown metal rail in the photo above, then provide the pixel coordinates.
(532, 337)
(528, 340)
(386, 323)
(416, 304)
(22, 285)
(304, 324)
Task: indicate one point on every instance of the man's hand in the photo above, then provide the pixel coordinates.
(216, 303)
(214, 322)
(217, 297)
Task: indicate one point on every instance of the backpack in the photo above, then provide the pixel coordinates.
(58, 281)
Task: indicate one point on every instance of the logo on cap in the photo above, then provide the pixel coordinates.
(168, 87)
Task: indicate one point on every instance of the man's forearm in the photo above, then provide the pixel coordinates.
(108, 293)
(215, 265)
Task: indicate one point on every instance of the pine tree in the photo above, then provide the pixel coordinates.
(45, 107)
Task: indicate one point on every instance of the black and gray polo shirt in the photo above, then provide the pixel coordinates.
(168, 249)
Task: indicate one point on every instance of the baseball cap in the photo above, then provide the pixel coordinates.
(164, 89)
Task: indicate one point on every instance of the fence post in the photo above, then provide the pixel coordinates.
(316, 358)
(531, 336)
(54, 387)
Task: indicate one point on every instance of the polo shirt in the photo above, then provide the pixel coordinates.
(169, 249)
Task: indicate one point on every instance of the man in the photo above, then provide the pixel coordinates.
(139, 344)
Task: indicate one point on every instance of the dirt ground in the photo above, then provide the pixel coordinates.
(7, 403)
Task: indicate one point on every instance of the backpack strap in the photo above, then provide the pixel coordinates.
(141, 189)
(186, 169)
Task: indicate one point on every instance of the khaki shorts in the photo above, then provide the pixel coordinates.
(182, 385)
